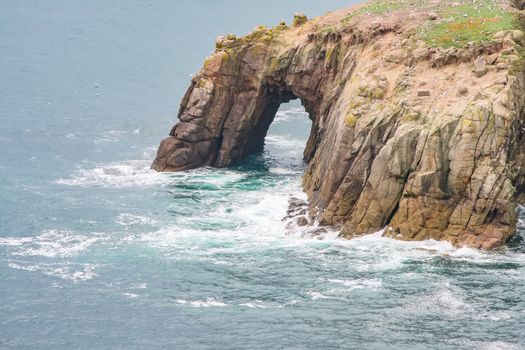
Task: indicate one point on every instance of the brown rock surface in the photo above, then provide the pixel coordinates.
(441, 165)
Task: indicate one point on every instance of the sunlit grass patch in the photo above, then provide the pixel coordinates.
(471, 22)
(377, 7)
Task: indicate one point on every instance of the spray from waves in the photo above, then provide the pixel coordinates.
(121, 174)
(249, 224)
(137, 173)
(290, 115)
(399, 252)
(256, 217)
(133, 173)
(252, 222)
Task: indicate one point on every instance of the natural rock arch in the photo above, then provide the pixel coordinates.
(397, 139)
(231, 103)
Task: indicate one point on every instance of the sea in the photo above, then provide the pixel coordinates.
(97, 251)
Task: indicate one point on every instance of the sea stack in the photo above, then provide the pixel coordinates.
(418, 115)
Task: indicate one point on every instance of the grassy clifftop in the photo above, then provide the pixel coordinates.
(468, 22)
(450, 23)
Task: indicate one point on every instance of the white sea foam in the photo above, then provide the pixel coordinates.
(223, 262)
(494, 316)
(265, 212)
(209, 302)
(318, 295)
(137, 173)
(52, 244)
(15, 241)
(127, 219)
(282, 171)
(256, 304)
(291, 114)
(110, 136)
(216, 177)
(399, 251)
(133, 173)
(493, 345)
(342, 293)
(287, 143)
(359, 283)
(256, 216)
(74, 272)
(446, 301)
(291, 302)
(130, 295)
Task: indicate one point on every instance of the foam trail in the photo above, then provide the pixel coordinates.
(133, 173)
(52, 244)
(71, 272)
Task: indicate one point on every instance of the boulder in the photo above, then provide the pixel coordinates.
(299, 19)
(480, 67)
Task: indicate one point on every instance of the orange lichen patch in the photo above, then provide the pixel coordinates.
(468, 23)
(471, 24)
(455, 31)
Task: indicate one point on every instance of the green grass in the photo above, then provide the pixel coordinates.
(469, 22)
(379, 7)
(376, 7)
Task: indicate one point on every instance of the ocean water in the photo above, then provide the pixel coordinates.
(99, 252)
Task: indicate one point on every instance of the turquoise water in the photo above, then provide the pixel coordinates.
(99, 252)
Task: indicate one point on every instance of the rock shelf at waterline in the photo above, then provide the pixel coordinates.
(418, 115)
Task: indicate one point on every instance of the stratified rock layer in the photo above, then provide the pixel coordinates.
(428, 142)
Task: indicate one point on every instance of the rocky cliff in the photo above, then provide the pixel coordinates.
(418, 119)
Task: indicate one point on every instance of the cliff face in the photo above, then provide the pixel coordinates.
(418, 120)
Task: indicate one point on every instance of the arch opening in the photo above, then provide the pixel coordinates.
(286, 137)
(250, 118)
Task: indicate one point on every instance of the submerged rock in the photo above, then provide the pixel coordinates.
(393, 144)
(302, 221)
